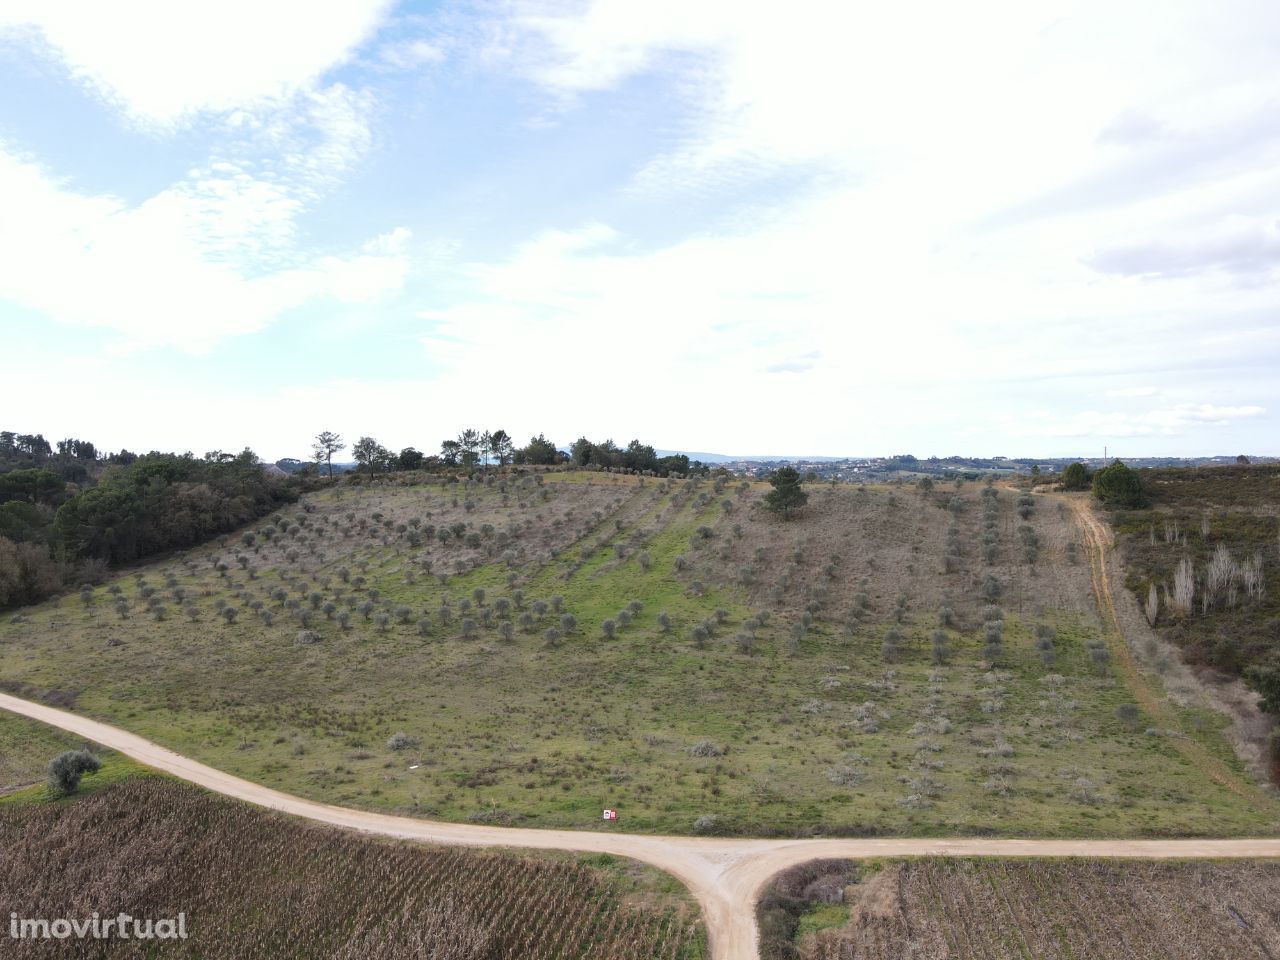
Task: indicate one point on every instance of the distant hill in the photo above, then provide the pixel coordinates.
(693, 455)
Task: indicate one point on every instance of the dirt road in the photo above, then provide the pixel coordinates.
(726, 876)
(1099, 542)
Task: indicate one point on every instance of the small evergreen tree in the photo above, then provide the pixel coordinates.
(1120, 486)
(786, 494)
(1075, 477)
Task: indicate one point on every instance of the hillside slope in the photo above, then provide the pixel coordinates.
(351, 652)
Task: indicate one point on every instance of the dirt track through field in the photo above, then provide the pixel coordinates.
(725, 875)
(1099, 542)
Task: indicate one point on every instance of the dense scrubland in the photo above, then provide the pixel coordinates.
(260, 885)
(528, 647)
(67, 518)
(1203, 560)
(934, 909)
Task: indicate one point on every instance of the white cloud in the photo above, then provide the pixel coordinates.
(800, 364)
(217, 252)
(924, 221)
(1168, 421)
(982, 202)
(163, 62)
(1239, 246)
(923, 101)
(410, 54)
(913, 338)
(1133, 392)
(180, 268)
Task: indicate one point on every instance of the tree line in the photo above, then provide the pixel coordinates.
(1116, 484)
(474, 448)
(60, 526)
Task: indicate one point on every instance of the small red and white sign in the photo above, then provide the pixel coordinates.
(610, 815)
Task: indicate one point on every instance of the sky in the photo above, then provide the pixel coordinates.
(842, 228)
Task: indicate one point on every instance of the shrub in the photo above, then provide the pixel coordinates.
(1084, 790)
(846, 776)
(66, 769)
(401, 741)
(941, 647)
(891, 649)
(705, 748)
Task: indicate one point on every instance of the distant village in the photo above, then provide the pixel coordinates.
(897, 467)
(905, 466)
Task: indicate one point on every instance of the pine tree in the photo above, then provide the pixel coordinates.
(786, 494)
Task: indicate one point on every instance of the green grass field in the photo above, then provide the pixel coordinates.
(26, 747)
(824, 737)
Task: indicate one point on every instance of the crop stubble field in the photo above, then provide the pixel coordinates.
(807, 721)
(1055, 909)
(259, 885)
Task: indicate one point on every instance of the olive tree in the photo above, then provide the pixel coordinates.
(66, 769)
